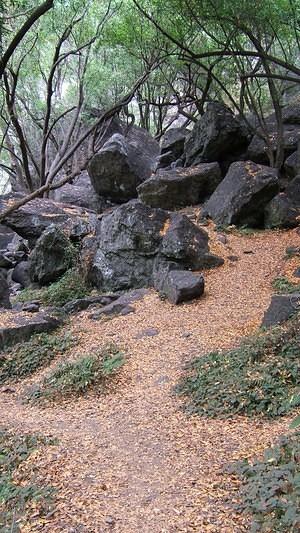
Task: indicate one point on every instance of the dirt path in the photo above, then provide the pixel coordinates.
(132, 461)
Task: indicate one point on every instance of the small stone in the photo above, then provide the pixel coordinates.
(150, 332)
(297, 273)
(222, 238)
(233, 258)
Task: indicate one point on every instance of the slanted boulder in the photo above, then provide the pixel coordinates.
(134, 239)
(172, 143)
(283, 211)
(4, 291)
(281, 308)
(186, 244)
(290, 165)
(180, 187)
(6, 236)
(18, 326)
(217, 136)
(122, 164)
(33, 218)
(243, 195)
(182, 286)
(80, 193)
(51, 257)
(20, 274)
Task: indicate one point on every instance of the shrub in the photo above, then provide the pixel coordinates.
(24, 359)
(283, 286)
(271, 487)
(260, 377)
(16, 500)
(69, 287)
(76, 377)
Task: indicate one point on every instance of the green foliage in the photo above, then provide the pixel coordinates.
(271, 488)
(260, 377)
(78, 376)
(283, 286)
(69, 287)
(15, 500)
(24, 359)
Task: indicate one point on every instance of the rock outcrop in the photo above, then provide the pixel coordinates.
(180, 187)
(122, 164)
(217, 136)
(283, 211)
(243, 195)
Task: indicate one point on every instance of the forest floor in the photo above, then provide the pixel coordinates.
(132, 460)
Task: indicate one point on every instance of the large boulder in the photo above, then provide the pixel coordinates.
(51, 257)
(133, 239)
(281, 308)
(4, 291)
(217, 136)
(243, 194)
(258, 149)
(172, 143)
(182, 286)
(6, 236)
(291, 165)
(35, 216)
(19, 326)
(122, 164)
(283, 211)
(80, 193)
(180, 187)
(20, 274)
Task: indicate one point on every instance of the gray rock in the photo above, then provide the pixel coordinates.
(84, 303)
(281, 308)
(33, 218)
(20, 326)
(173, 141)
(180, 187)
(243, 195)
(121, 306)
(182, 286)
(290, 165)
(122, 164)
(216, 136)
(21, 274)
(134, 239)
(283, 211)
(80, 193)
(52, 256)
(4, 292)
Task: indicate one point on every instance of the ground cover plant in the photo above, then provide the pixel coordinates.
(260, 377)
(18, 498)
(70, 286)
(80, 375)
(25, 358)
(283, 286)
(270, 489)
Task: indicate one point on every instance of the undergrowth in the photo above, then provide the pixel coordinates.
(260, 377)
(70, 286)
(18, 499)
(24, 359)
(270, 490)
(283, 286)
(78, 376)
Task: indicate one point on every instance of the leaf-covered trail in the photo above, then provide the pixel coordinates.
(132, 461)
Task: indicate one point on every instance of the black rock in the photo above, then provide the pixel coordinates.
(83, 303)
(122, 164)
(21, 275)
(283, 211)
(180, 187)
(281, 308)
(52, 256)
(181, 286)
(290, 165)
(4, 292)
(33, 218)
(216, 136)
(243, 194)
(173, 141)
(121, 306)
(80, 193)
(21, 326)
